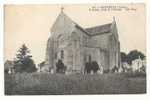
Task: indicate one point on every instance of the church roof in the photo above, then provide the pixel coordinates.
(78, 26)
(96, 30)
(69, 23)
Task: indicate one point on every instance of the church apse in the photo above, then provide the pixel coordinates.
(76, 46)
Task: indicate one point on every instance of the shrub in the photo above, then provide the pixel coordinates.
(87, 68)
(95, 66)
(60, 67)
(23, 61)
(91, 66)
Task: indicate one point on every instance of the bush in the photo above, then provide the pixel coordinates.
(87, 68)
(27, 65)
(95, 66)
(60, 67)
(91, 66)
(23, 61)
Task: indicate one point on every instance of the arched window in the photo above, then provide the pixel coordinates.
(62, 54)
(75, 43)
(59, 39)
(75, 39)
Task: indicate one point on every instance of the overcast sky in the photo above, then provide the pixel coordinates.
(30, 24)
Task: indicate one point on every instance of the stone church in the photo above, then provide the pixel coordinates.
(76, 45)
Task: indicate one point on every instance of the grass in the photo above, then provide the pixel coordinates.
(48, 84)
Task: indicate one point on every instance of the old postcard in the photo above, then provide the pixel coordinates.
(72, 49)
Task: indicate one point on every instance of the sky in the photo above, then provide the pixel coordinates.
(31, 24)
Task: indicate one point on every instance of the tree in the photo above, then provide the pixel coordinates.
(134, 54)
(88, 67)
(60, 67)
(91, 66)
(123, 57)
(95, 66)
(23, 61)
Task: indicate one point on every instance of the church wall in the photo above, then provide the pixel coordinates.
(119, 55)
(114, 47)
(96, 47)
(101, 41)
(71, 45)
(98, 55)
(63, 25)
(114, 52)
(77, 46)
(78, 49)
(104, 50)
(62, 50)
(49, 53)
(60, 32)
(69, 57)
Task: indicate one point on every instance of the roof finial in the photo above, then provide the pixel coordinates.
(62, 8)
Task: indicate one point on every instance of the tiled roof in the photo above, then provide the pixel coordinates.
(96, 30)
(106, 28)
